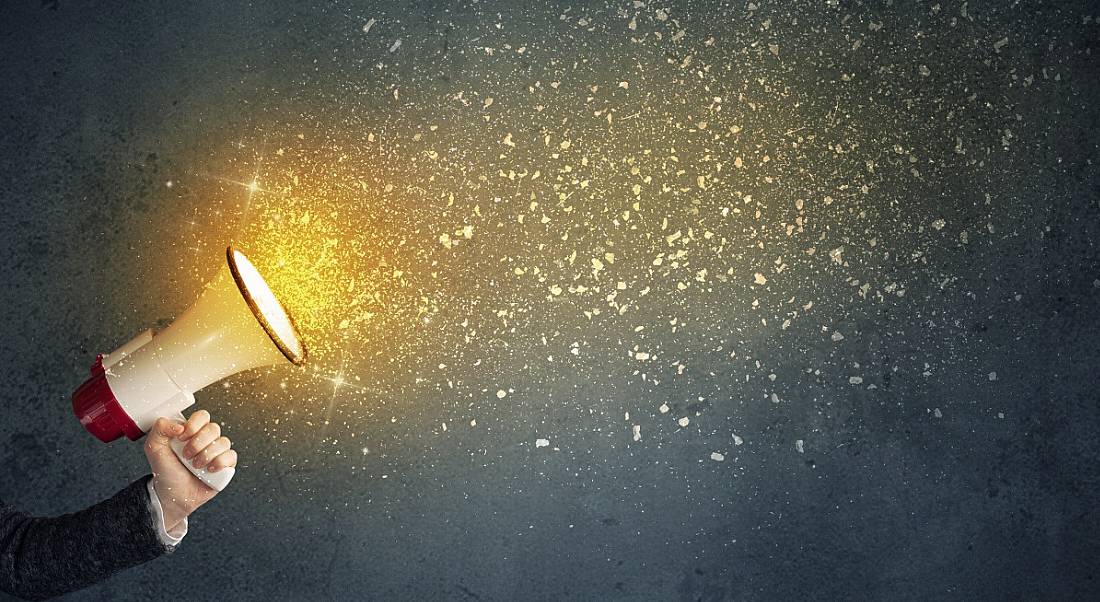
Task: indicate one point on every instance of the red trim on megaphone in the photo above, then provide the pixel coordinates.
(99, 410)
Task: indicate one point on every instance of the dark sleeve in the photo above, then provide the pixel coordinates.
(45, 557)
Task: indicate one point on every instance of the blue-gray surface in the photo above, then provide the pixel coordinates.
(927, 428)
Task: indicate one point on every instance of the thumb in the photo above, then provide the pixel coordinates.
(161, 435)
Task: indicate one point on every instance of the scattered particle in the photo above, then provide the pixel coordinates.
(855, 380)
(684, 421)
(501, 393)
(800, 446)
(396, 45)
(738, 440)
(542, 442)
(366, 26)
(717, 457)
(664, 408)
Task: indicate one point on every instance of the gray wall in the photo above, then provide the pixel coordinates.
(964, 464)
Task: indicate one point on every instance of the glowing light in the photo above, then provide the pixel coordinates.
(269, 311)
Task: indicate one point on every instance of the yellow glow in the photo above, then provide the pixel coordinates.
(278, 322)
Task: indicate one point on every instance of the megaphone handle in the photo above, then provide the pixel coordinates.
(215, 480)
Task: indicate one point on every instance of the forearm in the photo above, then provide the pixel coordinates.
(45, 557)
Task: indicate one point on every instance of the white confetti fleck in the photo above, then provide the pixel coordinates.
(684, 421)
(396, 45)
(855, 380)
(800, 446)
(738, 440)
(664, 408)
(542, 442)
(717, 457)
(637, 431)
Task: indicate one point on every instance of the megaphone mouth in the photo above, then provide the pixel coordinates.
(270, 313)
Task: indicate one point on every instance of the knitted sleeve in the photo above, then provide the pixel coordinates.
(45, 557)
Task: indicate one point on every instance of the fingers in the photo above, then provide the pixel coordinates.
(206, 435)
(195, 423)
(223, 460)
(159, 436)
(208, 453)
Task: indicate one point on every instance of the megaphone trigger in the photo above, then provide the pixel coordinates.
(215, 480)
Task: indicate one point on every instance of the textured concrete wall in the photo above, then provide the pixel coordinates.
(969, 470)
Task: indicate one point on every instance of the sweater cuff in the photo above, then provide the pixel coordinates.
(169, 538)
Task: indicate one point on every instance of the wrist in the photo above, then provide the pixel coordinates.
(175, 509)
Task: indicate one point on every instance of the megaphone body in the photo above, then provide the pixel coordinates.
(237, 324)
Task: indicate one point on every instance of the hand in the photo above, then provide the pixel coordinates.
(179, 491)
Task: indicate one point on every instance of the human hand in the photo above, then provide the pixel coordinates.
(179, 491)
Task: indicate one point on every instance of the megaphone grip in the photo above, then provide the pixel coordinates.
(215, 480)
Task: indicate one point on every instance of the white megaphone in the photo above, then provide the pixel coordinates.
(236, 324)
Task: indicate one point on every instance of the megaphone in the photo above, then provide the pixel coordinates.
(237, 324)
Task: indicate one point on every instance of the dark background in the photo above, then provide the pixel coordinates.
(968, 471)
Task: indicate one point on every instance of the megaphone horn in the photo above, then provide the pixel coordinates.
(237, 324)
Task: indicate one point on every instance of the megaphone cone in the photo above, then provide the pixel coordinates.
(236, 324)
